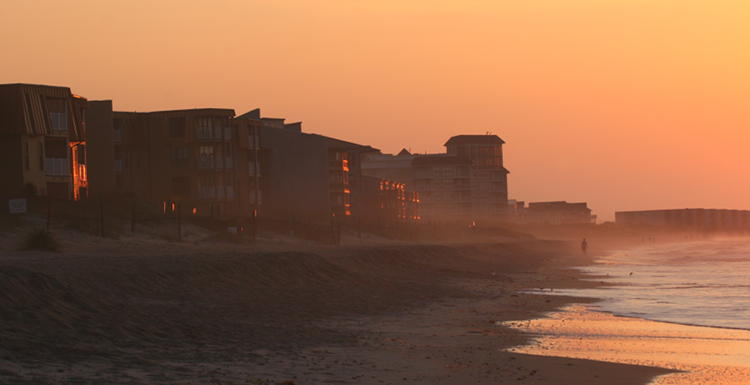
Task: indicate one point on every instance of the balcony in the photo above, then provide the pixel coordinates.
(57, 166)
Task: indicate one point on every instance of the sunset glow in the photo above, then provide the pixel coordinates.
(624, 104)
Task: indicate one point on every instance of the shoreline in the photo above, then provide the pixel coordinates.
(696, 353)
(692, 354)
(114, 311)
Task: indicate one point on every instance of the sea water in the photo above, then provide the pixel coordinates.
(684, 307)
(703, 283)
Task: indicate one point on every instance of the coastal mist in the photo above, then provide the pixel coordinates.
(681, 306)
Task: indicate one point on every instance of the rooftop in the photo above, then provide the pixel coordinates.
(191, 111)
(474, 139)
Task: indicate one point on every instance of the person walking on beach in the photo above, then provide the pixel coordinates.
(584, 245)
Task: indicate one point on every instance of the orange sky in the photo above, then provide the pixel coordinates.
(627, 104)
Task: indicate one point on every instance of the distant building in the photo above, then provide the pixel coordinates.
(558, 213)
(466, 183)
(394, 167)
(383, 203)
(489, 179)
(445, 185)
(687, 219)
(42, 142)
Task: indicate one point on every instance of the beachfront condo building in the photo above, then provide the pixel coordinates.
(467, 183)
(202, 161)
(42, 142)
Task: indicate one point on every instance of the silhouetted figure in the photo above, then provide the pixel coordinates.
(584, 246)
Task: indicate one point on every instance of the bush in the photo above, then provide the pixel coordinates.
(40, 240)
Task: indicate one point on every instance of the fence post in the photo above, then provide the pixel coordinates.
(179, 221)
(49, 212)
(101, 217)
(254, 225)
(132, 215)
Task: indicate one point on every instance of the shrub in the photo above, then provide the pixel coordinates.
(40, 240)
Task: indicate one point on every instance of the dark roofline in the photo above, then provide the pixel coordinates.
(361, 147)
(196, 110)
(675, 210)
(252, 114)
(31, 85)
(481, 139)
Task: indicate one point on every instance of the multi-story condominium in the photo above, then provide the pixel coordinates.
(42, 142)
(385, 203)
(308, 177)
(488, 179)
(688, 219)
(198, 159)
(444, 184)
(557, 213)
(467, 183)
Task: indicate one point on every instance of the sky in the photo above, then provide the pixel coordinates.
(625, 104)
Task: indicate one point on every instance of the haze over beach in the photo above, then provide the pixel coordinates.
(444, 192)
(624, 104)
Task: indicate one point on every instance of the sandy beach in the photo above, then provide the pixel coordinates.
(134, 311)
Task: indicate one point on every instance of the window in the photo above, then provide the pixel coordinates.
(177, 127)
(203, 125)
(180, 153)
(58, 114)
(208, 186)
(207, 157)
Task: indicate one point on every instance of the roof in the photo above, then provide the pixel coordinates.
(474, 139)
(343, 143)
(557, 204)
(192, 111)
(9, 85)
(252, 114)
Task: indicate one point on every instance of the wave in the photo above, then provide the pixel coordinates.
(644, 316)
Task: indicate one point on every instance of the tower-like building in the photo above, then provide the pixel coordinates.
(467, 183)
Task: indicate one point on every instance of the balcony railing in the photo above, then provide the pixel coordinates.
(57, 166)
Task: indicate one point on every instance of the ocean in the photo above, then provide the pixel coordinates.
(704, 283)
(684, 307)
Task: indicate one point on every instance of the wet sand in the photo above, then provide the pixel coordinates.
(702, 355)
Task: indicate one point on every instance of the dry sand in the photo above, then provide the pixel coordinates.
(136, 311)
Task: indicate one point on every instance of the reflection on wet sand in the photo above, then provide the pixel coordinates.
(703, 355)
